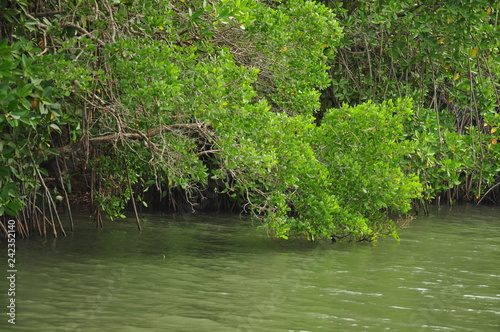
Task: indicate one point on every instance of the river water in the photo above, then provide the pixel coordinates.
(217, 272)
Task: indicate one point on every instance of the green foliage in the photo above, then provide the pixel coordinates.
(177, 95)
(273, 166)
(292, 38)
(364, 149)
(28, 116)
(31, 114)
(460, 165)
(445, 57)
(189, 83)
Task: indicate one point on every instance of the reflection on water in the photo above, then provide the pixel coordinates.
(218, 273)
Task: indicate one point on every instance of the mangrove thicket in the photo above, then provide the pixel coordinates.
(319, 118)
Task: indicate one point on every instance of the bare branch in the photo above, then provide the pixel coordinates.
(138, 135)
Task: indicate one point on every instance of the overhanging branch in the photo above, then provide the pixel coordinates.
(136, 135)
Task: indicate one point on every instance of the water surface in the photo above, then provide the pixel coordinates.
(217, 272)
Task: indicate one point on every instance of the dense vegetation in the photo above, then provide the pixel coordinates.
(319, 119)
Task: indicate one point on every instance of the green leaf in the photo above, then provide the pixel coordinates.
(25, 61)
(43, 171)
(55, 127)
(19, 114)
(52, 151)
(4, 171)
(13, 207)
(25, 90)
(47, 92)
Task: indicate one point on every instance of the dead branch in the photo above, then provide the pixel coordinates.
(136, 135)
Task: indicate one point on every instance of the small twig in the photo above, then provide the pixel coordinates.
(52, 205)
(65, 195)
(45, 48)
(487, 192)
(82, 31)
(38, 24)
(208, 152)
(55, 12)
(137, 219)
(4, 229)
(112, 22)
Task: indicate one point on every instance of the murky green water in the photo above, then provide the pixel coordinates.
(218, 273)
